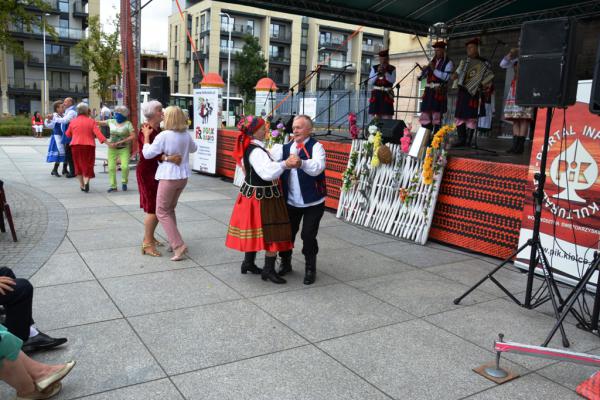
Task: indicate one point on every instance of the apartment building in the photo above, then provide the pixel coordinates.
(292, 45)
(152, 63)
(22, 78)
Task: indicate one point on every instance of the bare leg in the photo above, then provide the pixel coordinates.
(150, 224)
(22, 373)
(80, 179)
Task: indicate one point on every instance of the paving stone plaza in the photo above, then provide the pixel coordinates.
(379, 323)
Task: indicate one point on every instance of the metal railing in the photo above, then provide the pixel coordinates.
(234, 50)
(280, 59)
(38, 84)
(37, 57)
(372, 48)
(335, 63)
(238, 28)
(338, 85)
(281, 35)
(63, 33)
(332, 42)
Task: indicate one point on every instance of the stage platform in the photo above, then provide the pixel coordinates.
(480, 202)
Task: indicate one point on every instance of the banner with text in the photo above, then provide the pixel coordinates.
(570, 223)
(206, 122)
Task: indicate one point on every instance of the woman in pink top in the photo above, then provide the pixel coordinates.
(37, 122)
(83, 130)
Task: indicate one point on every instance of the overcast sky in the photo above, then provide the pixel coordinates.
(155, 21)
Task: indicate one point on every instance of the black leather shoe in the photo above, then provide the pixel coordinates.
(41, 341)
(268, 272)
(286, 265)
(252, 268)
(310, 276)
(70, 176)
(86, 187)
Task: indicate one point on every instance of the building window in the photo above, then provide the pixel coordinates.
(250, 27)
(197, 25)
(63, 26)
(59, 80)
(224, 46)
(302, 57)
(225, 21)
(275, 30)
(63, 6)
(203, 26)
(304, 36)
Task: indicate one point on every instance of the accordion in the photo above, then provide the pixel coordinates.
(473, 73)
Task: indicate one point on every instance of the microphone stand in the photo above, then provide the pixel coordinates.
(397, 87)
(328, 91)
(365, 84)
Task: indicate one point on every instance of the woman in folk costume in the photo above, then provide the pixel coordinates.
(56, 150)
(259, 220)
(519, 116)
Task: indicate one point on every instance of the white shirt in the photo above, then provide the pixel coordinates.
(389, 76)
(170, 143)
(313, 167)
(263, 164)
(70, 113)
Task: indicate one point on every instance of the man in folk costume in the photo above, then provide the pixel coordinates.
(473, 75)
(382, 76)
(259, 220)
(435, 100)
(305, 190)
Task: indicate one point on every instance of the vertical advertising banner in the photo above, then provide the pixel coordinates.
(308, 106)
(206, 122)
(264, 102)
(570, 223)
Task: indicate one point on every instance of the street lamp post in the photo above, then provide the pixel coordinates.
(228, 63)
(45, 96)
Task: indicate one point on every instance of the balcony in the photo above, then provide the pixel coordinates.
(281, 36)
(52, 7)
(204, 30)
(279, 59)
(64, 34)
(365, 68)
(34, 87)
(372, 48)
(337, 64)
(54, 61)
(224, 50)
(239, 30)
(336, 44)
(200, 55)
(79, 10)
(338, 85)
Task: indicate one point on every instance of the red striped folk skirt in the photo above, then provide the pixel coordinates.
(84, 157)
(257, 225)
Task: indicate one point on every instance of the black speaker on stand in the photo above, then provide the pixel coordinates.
(160, 89)
(547, 78)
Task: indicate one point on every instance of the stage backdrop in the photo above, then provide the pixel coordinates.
(206, 121)
(570, 226)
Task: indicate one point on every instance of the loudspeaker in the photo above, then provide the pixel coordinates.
(547, 62)
(391, 130)
(595, 98)
(160, 89)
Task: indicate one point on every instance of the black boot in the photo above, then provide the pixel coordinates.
(64, 170)
(286, 262)
(268, 271)
(461, 130)
(55, 170)
(520, 145)
(310, 274)
(248, 264)
(514, 145)
(470, 133)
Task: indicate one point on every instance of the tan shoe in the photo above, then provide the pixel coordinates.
(51, 391)
(46, 382)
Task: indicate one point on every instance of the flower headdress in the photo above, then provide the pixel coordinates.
(247, 126)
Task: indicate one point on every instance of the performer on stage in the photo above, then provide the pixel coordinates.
(382, 77)
(260, 219)
(519, 116)
(473, 75)
(435, 101)
(305, 191)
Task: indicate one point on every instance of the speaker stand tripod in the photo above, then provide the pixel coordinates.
(537, 255)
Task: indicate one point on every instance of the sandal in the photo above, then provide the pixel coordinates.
(158, 243)
(152, 252)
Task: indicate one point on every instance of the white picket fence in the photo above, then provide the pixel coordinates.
(374, 201)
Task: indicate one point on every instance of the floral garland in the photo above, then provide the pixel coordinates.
(353, 128)
(375, 140)
(349, 176)
(435, 157)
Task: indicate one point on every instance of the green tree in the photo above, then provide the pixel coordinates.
(26, 15)
(251, 67)
(100, 53)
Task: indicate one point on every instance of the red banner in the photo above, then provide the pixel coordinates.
(570, 223)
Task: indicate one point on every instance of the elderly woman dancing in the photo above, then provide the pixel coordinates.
(172, 177)
(146, 172)
(82, 130)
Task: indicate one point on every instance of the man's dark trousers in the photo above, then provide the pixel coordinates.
(18, 306)
(310, 218)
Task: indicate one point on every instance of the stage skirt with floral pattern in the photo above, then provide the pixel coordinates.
(259, 221)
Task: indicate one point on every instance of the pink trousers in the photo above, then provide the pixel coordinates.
(166, 200)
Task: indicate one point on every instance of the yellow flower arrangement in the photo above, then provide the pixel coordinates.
(376, 144)
(436, 144)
